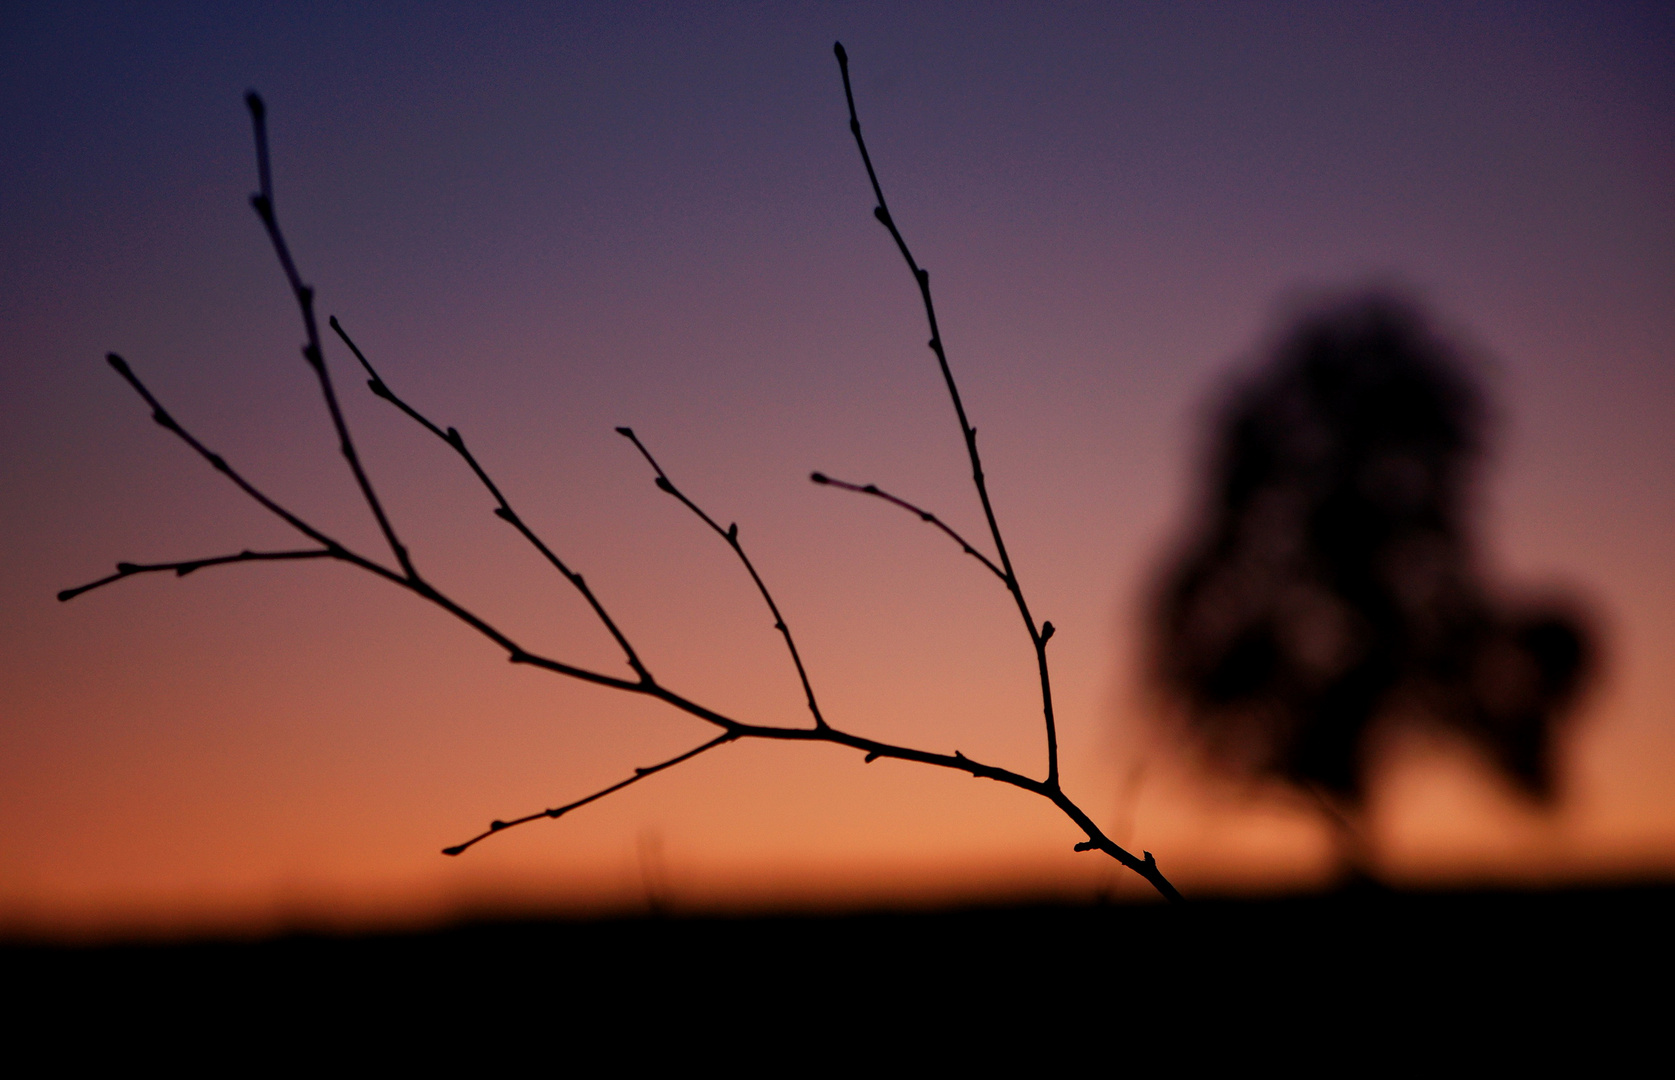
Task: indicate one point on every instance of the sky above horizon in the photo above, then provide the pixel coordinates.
(542, 222)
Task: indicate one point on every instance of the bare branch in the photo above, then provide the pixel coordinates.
(161, 415)
(311, 350)
(181, 569)
(730, 730)
(731, 535)
(560, 811)
(1038, 637)
(411, 582)
(503, 511)
(923, 515)
(1145, 865)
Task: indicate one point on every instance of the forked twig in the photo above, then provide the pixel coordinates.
(216, 461)
(504, 510)
(335, 550)
(1037, 635)
(732, 730)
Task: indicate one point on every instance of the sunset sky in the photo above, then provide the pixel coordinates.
(544, 221)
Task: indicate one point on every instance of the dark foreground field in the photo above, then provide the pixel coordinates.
(1360, 973)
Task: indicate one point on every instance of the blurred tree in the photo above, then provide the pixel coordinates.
(1332, 580)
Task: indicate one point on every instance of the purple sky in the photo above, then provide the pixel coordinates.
(545, 221)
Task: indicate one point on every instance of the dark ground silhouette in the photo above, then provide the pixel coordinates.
(1335, 580)
(1355, 977)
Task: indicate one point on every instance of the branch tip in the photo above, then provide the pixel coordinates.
(625, 432)
(253, 102)
(842, 57)
(1087, 845)
(870, 758)
(819, 478)
(455, 850)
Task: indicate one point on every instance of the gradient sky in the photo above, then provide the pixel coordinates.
(543, 221)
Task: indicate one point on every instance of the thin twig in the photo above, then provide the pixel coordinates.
(312, 351)
(560, 811)
(216, 461)
(923, 515)
(731, 535)
(181, 569)
(1037, 636)
(504, 510)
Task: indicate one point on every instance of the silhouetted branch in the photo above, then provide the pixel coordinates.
(560, 811)
(262, 201)
(1037, 637)
(216, 461)
(503, 511)
(411, 582)
(731, 535)
(181, 569)
(730, 729)
(923, 515)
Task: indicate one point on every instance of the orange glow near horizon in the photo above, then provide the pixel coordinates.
(542, 226)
